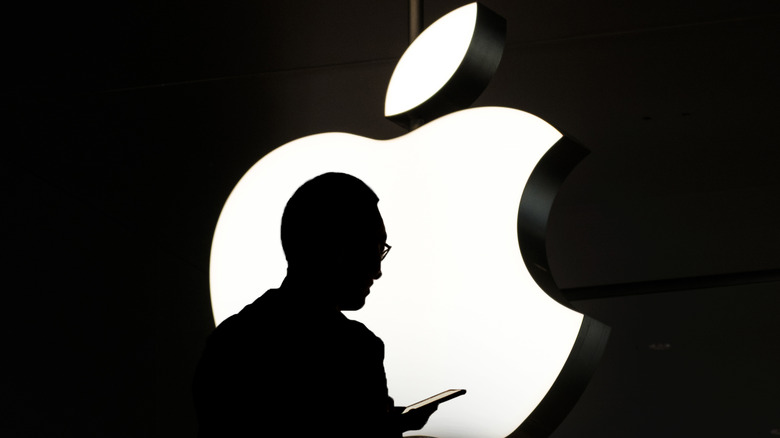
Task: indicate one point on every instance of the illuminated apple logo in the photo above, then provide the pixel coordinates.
(460, 304)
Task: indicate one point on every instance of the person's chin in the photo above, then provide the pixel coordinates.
(351, 307)
(355, 303)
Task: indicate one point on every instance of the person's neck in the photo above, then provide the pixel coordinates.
(309, 289)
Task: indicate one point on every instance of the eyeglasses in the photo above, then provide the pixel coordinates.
(385, 250)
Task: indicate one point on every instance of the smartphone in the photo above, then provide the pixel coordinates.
(436, 399)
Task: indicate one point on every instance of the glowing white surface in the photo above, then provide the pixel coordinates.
(456, 306)
(430, 60)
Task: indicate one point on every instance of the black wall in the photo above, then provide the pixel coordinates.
(126, 126)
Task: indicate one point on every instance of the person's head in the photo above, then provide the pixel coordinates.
(333, 233)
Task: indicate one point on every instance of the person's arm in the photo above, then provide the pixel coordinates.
(414, 419)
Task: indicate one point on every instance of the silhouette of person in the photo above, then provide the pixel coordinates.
(290, 363)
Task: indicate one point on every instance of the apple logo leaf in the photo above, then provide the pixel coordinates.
(467, 298)
(447, 67)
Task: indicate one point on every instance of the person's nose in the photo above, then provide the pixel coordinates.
(378, 274)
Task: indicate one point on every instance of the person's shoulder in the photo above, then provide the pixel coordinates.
(251, 314)
(358, 330)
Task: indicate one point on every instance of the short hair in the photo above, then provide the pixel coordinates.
(330, 209)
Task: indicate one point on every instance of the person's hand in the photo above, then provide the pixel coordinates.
(416, 418)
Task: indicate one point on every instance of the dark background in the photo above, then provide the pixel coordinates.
(127, 124)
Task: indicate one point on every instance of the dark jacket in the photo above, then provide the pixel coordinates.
(286, 367)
